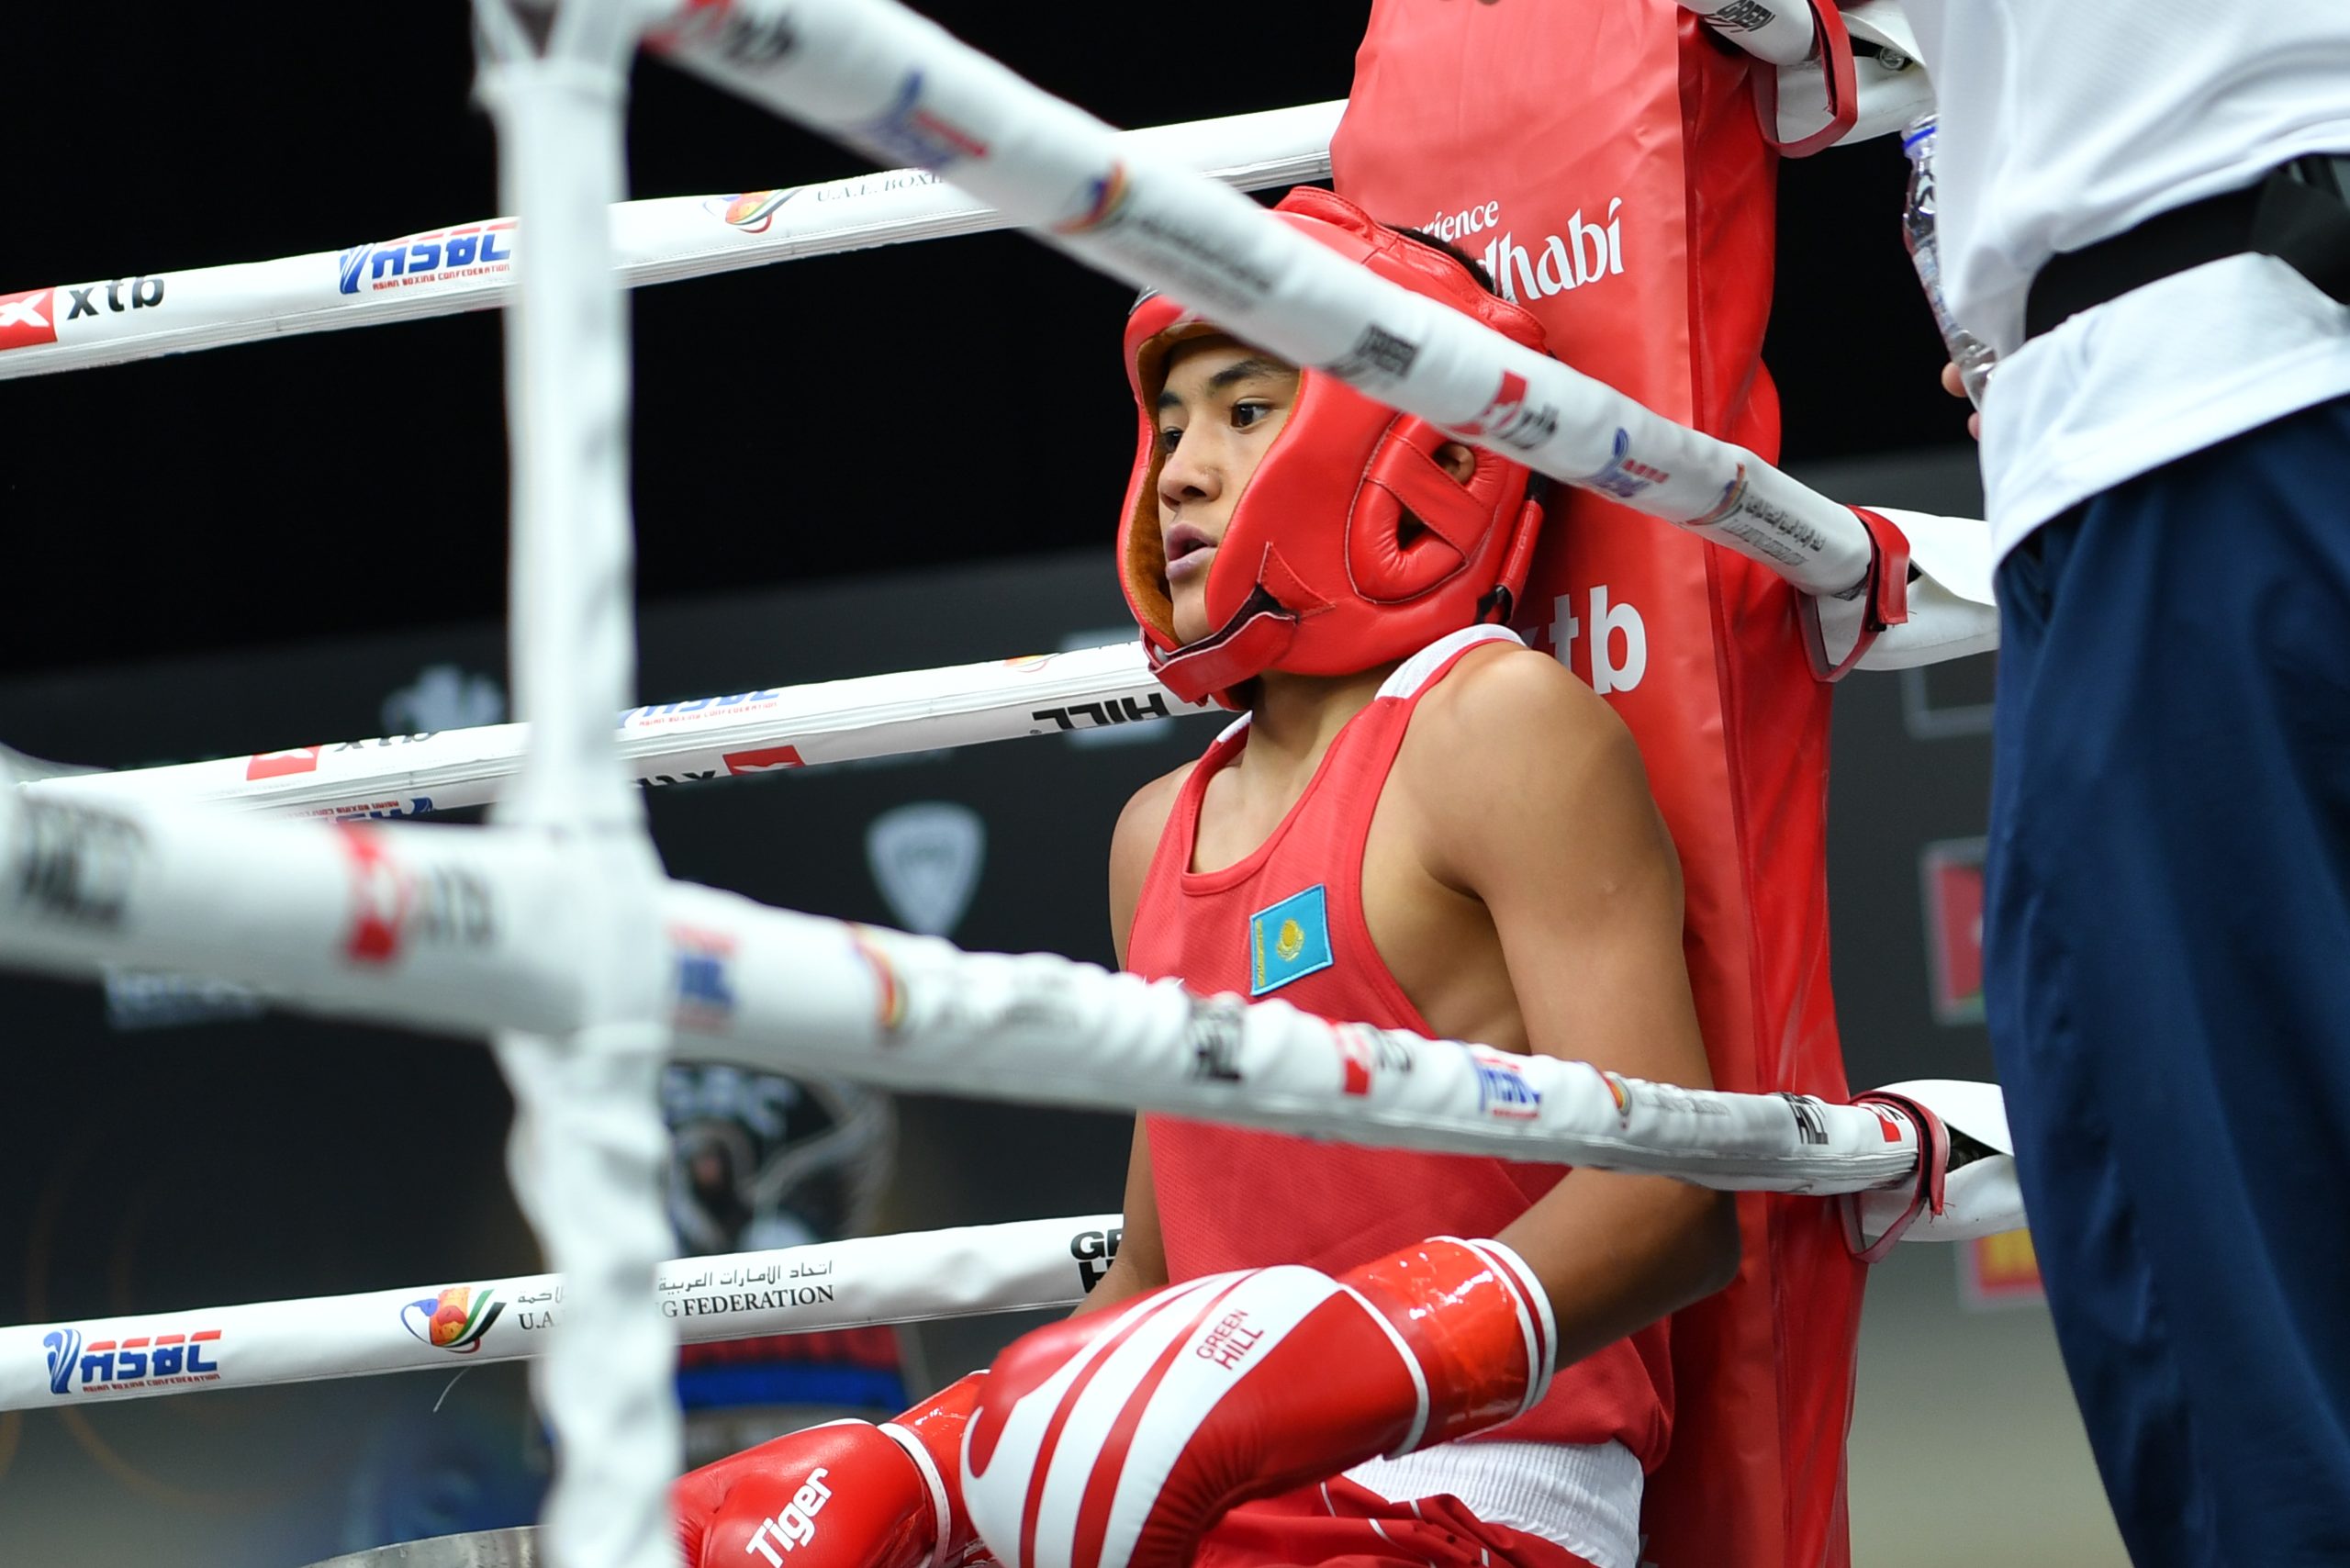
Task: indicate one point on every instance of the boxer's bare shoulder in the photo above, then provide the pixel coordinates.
(1133, 843)
(1516, 841)
(1510, 727)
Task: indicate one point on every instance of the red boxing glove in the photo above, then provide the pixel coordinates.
(1118, 1440)
(849, 1494)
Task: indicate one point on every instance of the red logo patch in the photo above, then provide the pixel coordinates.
(379, 899)
(284, 763)
(766, 760)
(1503, 408)
(27, 319)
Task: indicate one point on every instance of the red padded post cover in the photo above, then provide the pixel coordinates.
(1603, 159)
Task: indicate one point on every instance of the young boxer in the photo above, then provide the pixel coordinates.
(1418, 823)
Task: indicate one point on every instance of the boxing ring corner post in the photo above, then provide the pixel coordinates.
(587, 1152)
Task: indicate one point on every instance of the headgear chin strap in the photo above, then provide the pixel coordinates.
(1351, 546)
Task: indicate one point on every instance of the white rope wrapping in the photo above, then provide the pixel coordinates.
(588, 1151)
(677, 743)
(812, 994)
(744, 733)
(905, 1278)
(701, 739)
(1777, 30)
(469, 266)
(473, 933)
(875, 75)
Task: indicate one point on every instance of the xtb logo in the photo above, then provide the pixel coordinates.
(144, 292)
(1617, 655)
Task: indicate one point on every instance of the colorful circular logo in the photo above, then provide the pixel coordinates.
(455, 1320)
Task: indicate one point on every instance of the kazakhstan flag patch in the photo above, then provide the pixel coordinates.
(1288, 941)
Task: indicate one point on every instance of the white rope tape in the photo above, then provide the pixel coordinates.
(877, 76)
(905, 1278)
(587, 1149)
(1779, 32)
(465, 932)
(469, 266)
(678, 742)
(743, 733)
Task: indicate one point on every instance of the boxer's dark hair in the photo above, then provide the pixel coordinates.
(1476, 268)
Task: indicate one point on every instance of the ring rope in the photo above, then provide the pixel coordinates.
(905, 1278)
(465, 932)
(469, 266)
(676, 743)
(704, 738)
(879, 77)
(1780, 33)
(588, 1151)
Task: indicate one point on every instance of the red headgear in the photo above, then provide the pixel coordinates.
(1318, 572)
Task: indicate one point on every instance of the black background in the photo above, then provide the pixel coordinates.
(924, 404)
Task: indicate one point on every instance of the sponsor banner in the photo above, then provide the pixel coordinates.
(830, 1285)
(152, 1361)
(1119, 722)
(1525, 266)
(775, 729)
(1999, 1270)
(1950, 873)
(1502, 1091)
(469, 266)
(468, 254)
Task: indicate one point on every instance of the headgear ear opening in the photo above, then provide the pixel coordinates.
(1320, 544)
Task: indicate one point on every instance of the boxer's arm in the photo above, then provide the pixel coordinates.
(1141, 1263)
(1140, 1266)
(1530, 794)
(1133, 843)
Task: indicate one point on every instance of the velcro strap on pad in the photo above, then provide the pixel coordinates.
(1926, 1196)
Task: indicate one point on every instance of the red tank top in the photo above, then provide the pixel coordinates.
(1287, 921)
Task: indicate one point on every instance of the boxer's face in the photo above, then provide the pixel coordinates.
(1221, 405)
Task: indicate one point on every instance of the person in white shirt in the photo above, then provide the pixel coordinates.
(2143, 212)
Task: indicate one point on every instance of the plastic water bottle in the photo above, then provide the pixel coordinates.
(1970, 353)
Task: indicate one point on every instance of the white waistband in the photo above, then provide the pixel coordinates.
(1584, 1497)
